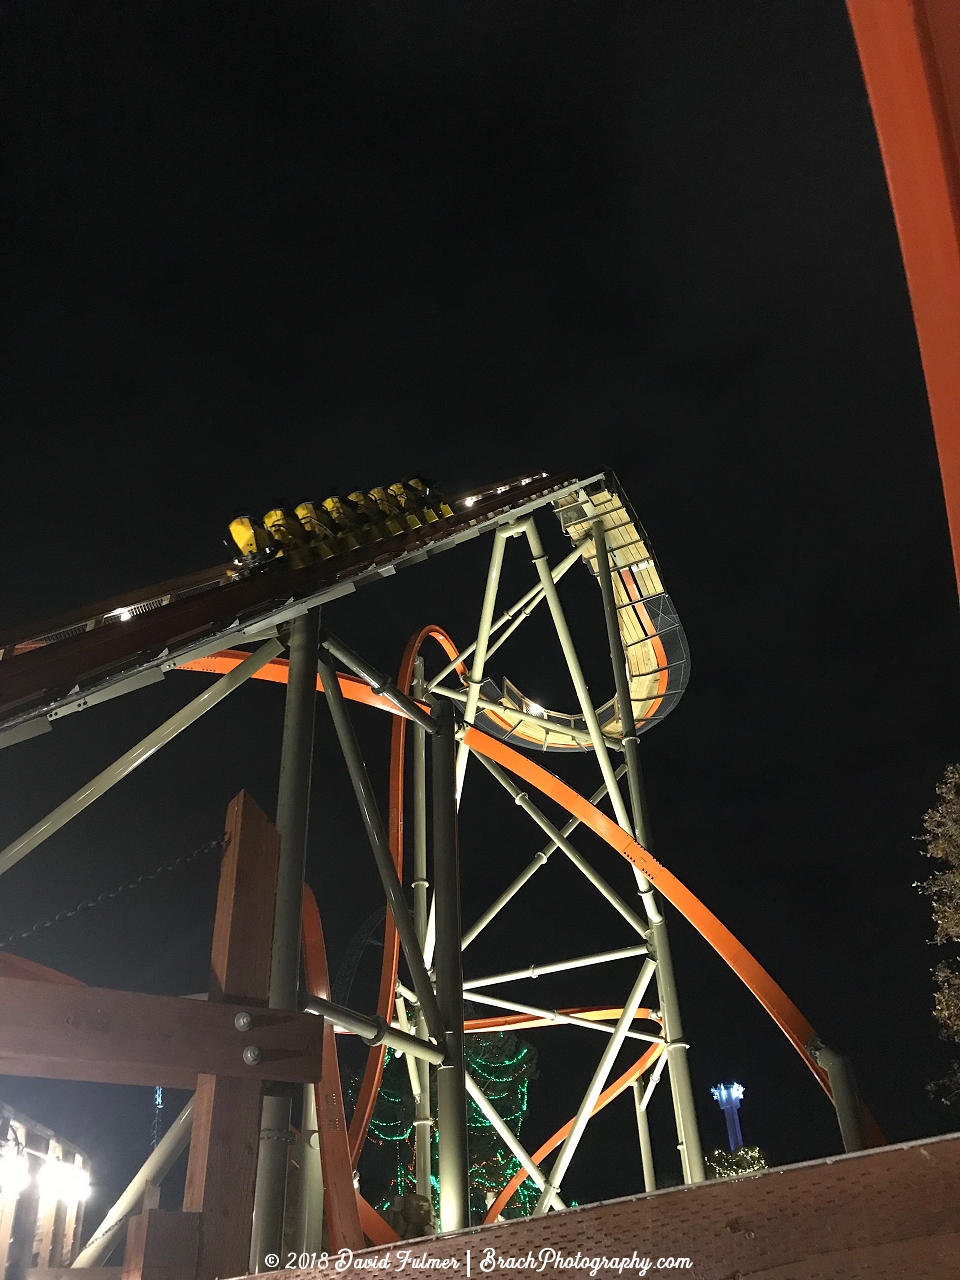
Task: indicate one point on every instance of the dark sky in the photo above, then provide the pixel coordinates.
(260, 252)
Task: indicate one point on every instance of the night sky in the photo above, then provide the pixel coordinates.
(257, 253)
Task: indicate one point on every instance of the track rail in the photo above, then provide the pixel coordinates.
(87, 656)
(797, 1029)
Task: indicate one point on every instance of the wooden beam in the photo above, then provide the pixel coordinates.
(242, 949)
(226, 1119)
(121, 1037)
(161, 1246)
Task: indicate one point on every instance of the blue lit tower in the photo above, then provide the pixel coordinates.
(728, 1096)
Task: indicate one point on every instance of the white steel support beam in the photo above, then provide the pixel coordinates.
(507, 1136)
(539, 860)
(576, 672)
(554, 1015)
(642, 1093)
(293, 817)
(525, 803)
(137, 755)
(684, 1108)
(572, 1140)
(480, 649)
(423, 1117)
(537, 970)
(643, 1136)
(524, 606)
(157, 1164)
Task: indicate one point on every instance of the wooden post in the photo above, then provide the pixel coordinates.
(161, 1246)
(211, 1237)
(226, 1125)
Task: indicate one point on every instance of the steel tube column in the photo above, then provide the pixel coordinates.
(373, 1029)
(572, 1140)
(136, 756)
(576, 672)
(310, 1202)
(555, 1016)
(525, 803)
(539, 860)
(846, 1096)
(643, 1133)
(525, 605)
(423, 1115)
(684, 1108)
(483, 639)
(159, 1163)
(293, 810)
(561, 966)
(507, 1136)
(451, 1085)
(380, 846)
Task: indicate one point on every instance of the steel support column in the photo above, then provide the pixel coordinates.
(293, 809)
(451, 1084)
(480, 651)
(539, 860)
(380, 847)
(506, 1134)
(310, 1202)
(846, 1096)
(423, 1115)
(136, 756)
(524, 606)
(643, 1133)
(685, 1112)
(585, 1111)
(561, 842)
(156, 1166)
(576, 672)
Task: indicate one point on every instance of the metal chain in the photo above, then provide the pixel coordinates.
(182, 861)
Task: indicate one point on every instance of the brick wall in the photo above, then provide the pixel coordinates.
(888, 1214)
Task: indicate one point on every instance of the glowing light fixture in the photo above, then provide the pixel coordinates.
(534, 709)
(14, 1172)
(63, 1181)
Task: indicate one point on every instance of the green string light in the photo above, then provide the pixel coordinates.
(502, 1065)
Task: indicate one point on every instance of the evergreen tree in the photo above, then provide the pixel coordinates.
(502, 1065)
(728, 1164)
(942, 839)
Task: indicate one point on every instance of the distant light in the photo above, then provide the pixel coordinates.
(535, 708)
(14, 1172)
(125, 615)
(468, 502)
(61, 1181)
(728, 1094)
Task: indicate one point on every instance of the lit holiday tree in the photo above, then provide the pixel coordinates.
(502, 1065)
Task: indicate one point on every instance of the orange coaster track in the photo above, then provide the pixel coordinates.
(342, 1157)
